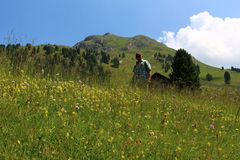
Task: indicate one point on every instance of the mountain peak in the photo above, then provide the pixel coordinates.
(110, 42)
(107, 34)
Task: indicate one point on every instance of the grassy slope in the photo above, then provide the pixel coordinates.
(52, 119)
(124, 73)
(218, 76)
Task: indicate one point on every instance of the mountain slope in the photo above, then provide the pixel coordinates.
(113, 43)
(116, 45)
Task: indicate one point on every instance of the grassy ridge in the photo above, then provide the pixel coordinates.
(53, 119)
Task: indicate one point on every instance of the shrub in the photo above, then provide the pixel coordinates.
(227, 77)
(115, 62)
(209, 77)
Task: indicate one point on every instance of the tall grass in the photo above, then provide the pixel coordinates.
(56, 119)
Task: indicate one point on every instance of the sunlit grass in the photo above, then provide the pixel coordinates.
(53, 119)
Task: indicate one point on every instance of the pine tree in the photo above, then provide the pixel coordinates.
(209, 77)
(227, 77)
(185, 72)
(115, 62)
(105, 58)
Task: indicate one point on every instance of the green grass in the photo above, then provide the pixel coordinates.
(44, 118)
(53, 119)
(218, 76)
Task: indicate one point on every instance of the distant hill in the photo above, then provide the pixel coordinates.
(113, 43)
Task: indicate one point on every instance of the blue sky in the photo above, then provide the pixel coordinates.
(69, 21)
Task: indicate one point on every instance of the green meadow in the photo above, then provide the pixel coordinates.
(54, 117)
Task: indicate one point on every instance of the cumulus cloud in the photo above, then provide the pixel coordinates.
(212, 40)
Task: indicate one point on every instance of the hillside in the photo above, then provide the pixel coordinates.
(47, 115)
(116, 45)
(113, 43)
(82, 60)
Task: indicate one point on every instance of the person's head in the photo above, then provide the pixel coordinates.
(138, 56)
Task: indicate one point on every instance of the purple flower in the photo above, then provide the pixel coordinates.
(212, 126)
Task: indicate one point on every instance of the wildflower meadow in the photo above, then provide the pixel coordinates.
(44, 118)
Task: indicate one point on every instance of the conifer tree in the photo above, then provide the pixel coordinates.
(185, 73)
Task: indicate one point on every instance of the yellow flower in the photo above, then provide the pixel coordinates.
(46, 113)
(59, 114)
(63, 110)
(110, 139)
(178, 149)
(195, 130)
(151, 133)
(67, 135)
(60, 88)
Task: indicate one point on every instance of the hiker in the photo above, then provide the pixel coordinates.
(141, 71)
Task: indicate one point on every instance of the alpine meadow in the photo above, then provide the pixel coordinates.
(62, 102)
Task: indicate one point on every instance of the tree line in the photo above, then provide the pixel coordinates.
(165, 60)
(51, 60)
(235, 69)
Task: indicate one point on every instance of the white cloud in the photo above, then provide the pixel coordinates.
(212, 40)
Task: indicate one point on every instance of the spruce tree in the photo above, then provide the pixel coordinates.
(184, 72)
(209, 77)
(105, 58)
(227, 77)
(115, 62)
